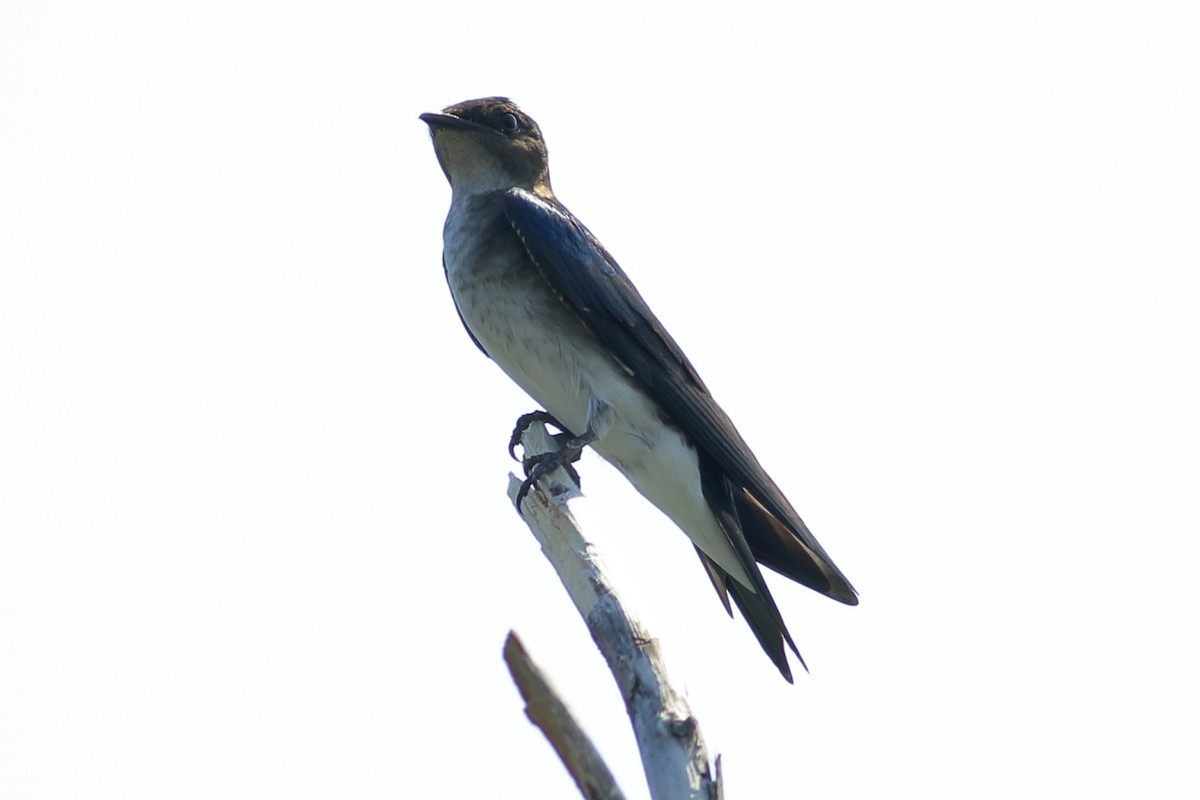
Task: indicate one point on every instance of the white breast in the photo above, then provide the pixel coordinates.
(545, 348)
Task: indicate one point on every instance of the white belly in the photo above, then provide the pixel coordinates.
(545, 348)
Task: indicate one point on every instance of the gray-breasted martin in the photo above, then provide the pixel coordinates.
(542, 298)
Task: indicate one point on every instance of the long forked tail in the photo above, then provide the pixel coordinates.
(760, 613)
(770, 533)
(755, 602)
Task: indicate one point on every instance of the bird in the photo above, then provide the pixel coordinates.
(541, 297)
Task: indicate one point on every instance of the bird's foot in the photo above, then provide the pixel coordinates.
(539, 466)
(523, 423)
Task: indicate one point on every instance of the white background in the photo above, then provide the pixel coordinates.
(938, 261)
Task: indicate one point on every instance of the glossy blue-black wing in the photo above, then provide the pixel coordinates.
(590, 280)
(760, 522)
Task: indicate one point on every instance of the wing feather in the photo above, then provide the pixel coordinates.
(588, 278)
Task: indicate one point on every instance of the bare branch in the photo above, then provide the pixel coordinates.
(547, 711)
(673, 753)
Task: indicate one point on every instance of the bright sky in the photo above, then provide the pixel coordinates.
(937, 260)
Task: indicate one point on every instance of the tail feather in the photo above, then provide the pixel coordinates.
(760, 613)
(754, 602)
(777, 539)
(717, 576)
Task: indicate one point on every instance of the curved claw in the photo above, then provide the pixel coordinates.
(574, 474)
(539, 466)
(523, 423)
(526, 485)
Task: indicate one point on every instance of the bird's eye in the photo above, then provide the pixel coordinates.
(509, 123)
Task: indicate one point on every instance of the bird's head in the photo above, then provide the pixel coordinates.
(489, 144)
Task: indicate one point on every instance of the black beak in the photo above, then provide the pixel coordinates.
(439, 120)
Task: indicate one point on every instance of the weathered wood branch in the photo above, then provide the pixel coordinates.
(673, 753)
(547, 711)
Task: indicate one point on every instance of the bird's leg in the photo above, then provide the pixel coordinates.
(539, 466)
(600, 419)
(523, 423)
